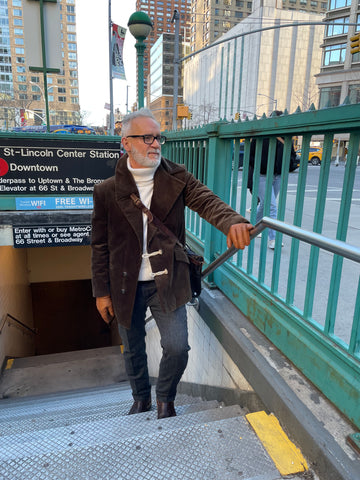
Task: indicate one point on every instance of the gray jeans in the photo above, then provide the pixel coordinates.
(174, 342)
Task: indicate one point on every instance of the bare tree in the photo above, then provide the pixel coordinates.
(204, 113)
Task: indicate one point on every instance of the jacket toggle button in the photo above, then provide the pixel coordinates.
(161, 272)
(152, 254)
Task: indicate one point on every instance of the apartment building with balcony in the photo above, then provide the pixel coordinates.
(161, 13)
(22, 92)
(339, 75)
(210, 19)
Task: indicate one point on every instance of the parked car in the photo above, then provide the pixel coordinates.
(315, 155)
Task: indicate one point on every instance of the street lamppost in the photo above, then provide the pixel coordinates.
(140, 26)
(267, 96)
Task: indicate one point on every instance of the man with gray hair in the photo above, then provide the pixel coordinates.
(135, 265)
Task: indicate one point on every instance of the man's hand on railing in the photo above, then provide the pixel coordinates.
(105, 308)
(239, 235)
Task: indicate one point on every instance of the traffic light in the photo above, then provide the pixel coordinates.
(355, 43)
(237, 116)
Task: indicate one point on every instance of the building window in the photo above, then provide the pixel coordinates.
(72, 46)
(72, 65)
(21, 78)
(334, 55)
(62, 99)
(354, 93)
(70, 18)
(51, 98)
(71, 37)
(20, 59)
(238, 14)
(23, 96)
(329, 97)
(37, 98)
(334, 4)
(18, 31)
(70, 9)
(72, 56)
(19, 41)
(20, 69)
(19, 51)
(35, 79)
(18, 22)
(17, 12)
(22, 88)
(340, 28)
(16, 3)
(74, 100)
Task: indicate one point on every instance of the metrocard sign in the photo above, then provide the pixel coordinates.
(54, 174)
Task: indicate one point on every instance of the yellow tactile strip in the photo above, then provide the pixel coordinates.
(9, 363)
(286, 456)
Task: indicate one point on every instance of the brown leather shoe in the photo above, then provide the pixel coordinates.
(140, 406)
(165, 409)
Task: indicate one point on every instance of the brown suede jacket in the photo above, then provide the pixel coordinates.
(117, 235)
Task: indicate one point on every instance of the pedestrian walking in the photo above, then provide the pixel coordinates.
(275, 186)
(135, 265)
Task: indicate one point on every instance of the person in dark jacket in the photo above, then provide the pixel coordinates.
(135, 265)
(262, 179)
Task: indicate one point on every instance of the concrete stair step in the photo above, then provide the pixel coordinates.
(221, 449)
(62, 372)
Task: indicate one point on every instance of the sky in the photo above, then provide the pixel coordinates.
(93, 57)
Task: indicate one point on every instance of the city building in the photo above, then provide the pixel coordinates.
(339, 75)
(161, 13)
(257, 72)
(22, 95)
(210, 19)
(161, 80)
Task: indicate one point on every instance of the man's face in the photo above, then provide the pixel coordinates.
(140, 154)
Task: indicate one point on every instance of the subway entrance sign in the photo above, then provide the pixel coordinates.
(51, 174)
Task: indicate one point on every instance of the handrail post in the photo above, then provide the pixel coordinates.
(218, 177)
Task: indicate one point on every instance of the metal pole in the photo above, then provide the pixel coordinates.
(110, 74)
(43, 48)
(176, 19)
(127, 99)
(140, 49)
(334, 246)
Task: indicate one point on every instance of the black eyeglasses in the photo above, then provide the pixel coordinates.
(149, 139)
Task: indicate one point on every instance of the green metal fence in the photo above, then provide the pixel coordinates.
(305, 300)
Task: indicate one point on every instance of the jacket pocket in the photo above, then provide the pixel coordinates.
(180, 255)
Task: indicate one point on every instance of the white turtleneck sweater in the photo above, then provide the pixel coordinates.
(144, 179)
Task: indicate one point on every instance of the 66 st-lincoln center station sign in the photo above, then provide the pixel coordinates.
(54, 174)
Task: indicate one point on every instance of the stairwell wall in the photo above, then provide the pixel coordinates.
(15, 299)
(209, 364)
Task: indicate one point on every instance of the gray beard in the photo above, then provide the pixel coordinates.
(143, 160)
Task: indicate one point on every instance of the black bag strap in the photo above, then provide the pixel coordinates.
(153, 219)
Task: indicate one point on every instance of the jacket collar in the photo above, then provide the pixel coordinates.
(167, 188)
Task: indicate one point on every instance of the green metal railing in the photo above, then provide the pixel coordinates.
(299, 295)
